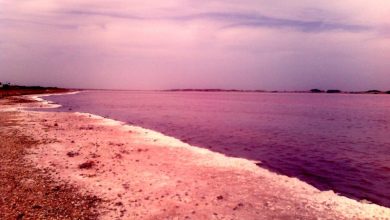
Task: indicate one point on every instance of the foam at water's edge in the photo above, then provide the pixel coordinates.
(46, 103)
(151, 135)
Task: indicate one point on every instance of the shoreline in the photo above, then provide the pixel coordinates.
(161, 177)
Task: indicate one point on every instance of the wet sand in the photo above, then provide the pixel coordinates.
(137, 173)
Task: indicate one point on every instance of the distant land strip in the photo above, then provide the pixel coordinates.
(14, 90)
(276, 91)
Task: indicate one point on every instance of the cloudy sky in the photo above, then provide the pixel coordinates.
(242, 44)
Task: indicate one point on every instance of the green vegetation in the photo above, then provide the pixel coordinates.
(333, 91)
(6, 89)
(5, 85)
(374, 91)
(316, 91)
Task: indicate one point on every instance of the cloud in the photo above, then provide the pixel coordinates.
(258, 20)
(106, 14)
(236, 19)
(12, 22)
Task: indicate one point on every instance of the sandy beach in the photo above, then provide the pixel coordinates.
(104, 169)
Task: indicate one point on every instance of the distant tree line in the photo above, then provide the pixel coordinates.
(7, 89)
(265, 91)
(5, 85)
(325, 91)
(8, 86)
(374, 91)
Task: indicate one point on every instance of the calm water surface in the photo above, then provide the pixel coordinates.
(332, 141)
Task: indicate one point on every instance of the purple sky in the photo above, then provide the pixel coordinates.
(242, 44)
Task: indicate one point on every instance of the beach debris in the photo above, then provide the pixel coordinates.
(115, 144)
(72, 154)
(118, 156)
(20, 216)
(238, 206)
(365, 201)
(219, 197)
(124, 152)
(56, 189)
(94, 155)
(87, 165)
(89, 127)
(36, 206)
(258, 164)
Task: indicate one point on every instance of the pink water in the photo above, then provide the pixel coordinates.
(335, 142)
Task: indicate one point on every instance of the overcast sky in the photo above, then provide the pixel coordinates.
(154, 44)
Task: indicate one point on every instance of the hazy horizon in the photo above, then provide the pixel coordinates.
(250, 44)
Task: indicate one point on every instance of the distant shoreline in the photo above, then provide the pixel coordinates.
(331, 91)
(14, 90)
(236, 90)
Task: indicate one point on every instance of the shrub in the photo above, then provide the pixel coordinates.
(333, 91)
(316, 91)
